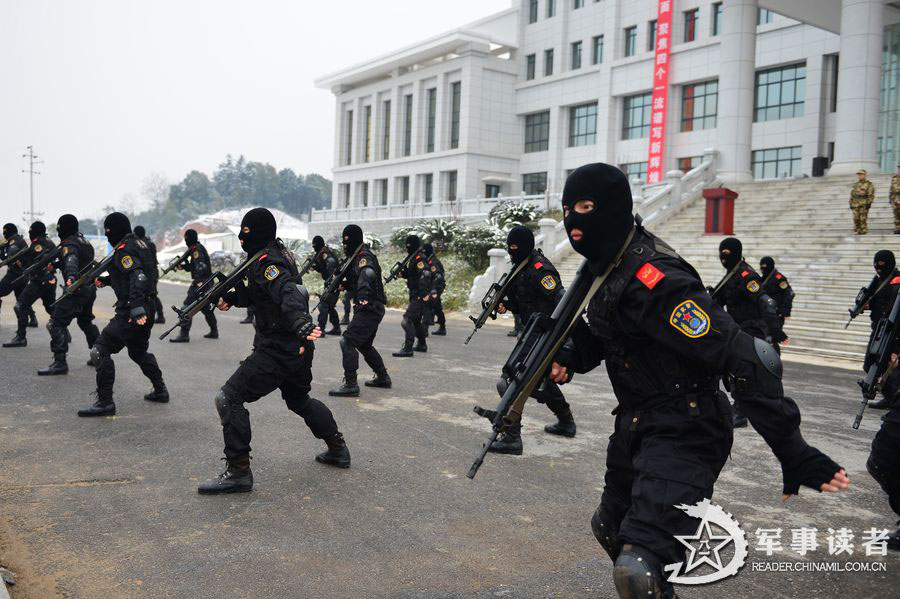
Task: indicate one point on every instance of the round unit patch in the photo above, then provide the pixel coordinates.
(690, 319)
(196, 254)
(37, 248)
(127, 262)
(362, 262)
(548, 283)
(272, 272)
(420, 265)
(783, 285)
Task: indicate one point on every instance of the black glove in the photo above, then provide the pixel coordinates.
(811, 469)
(306, 329)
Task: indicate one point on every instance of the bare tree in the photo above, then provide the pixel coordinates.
(155, 190)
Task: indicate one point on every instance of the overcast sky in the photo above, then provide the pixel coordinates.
(109, 91)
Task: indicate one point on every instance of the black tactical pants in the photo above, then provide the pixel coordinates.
(157, 305)
(884, 460)
(7, 287)
(78, 307)
(327, 312)
(208, 312)
(433, 309)
(121, 333)
(657, 459)
(359, 338)
(34, 290)
(412, 322)
(551, 395)
(348, 301)
(272, 365)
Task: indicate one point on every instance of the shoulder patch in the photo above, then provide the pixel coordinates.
(196, 254)
(690, 320)
(538, 265)
(37, 248)
(127, 262)
(420, 265)
(120, 246)
(752, 286)
(65, 250)
(745, 273)
(783, 285)
(434, 269)
(272, 272)
(649, 275)
(362, 262)
(895, 281)
(262, 257)
(548, 283)
(778, 276)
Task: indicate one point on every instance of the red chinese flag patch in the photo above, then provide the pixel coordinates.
(649, 275)
(538, 265)
(895, 281)
(745, 273)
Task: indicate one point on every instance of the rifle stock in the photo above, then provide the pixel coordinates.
(337, 278)
(309, 262)
(87, 276)
(492, 299)
(863, 297)
(878, 356)
(175, 263)
(40, 263)
(397, 268)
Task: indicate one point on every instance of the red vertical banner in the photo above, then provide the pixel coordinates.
(660, 98)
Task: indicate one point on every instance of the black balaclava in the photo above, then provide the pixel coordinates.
(730, 252)
(190, 236)
(66, 225)
(428, 249)
(9, 230)
(351, 237)
(605, 228)
(523, 238)
(139, 231)
(318, 243)
(117, 226)
(37, 229)
(766, 265)
(412, 243)
(258, 228)
(884, 263)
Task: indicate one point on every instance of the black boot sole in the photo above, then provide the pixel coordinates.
(15, 345)
(89, 414)
(506, 451)
(328, 462)
(740, 424)
(440, 334)
(567, 434)
(335, 393)
(177, 340)
(53, 373)
(424, 350)
(224, 491)
(378, 385)
(400, 354)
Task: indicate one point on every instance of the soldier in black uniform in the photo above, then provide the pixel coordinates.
(41, 283)
(152, 272)
(434, 308)
(198, 263)
(741, 295)
(13, 243)
(326, 263)
(130, 327)
(365, 285)
(776, 286)
(77, 254)
(536, 289)
(281, 359)
(880, 307)
(666, 344)
(418, 282)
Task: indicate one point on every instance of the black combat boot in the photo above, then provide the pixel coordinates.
(513, 333)
(57, 366)
(337, 455)
(738, 420)
(565, 427)
(237, 478)
(442, 331)
(345, 320)
(182, 337)
(405, 352)
(509, 442)
(421, 346)
(334, 331)
(381, 380)
(16, 342)
(349, 388)
(159, 394)
(101, 407)
(32, 321)
(248, 319)
(212, 334)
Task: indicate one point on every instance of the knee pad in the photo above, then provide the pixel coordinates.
(405, 323)
(96, 356)
(222, 406)
(17, 308)
(606, 531)
(638, 574)
(345, 345)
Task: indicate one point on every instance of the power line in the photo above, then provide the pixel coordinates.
(31, 173)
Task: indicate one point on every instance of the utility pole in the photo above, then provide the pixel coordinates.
(31, 173)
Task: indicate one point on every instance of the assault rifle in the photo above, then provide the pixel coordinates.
(530, 361)
(175, 263)
(725, 279)
(398, 267)
(211, 291)
(86, 277)
(309, 262)
(39, 263)
(878, 358)
(864, 296)
(338, 277)
(14, 257)
(492, 299)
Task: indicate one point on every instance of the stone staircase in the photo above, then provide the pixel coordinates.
(807, 227)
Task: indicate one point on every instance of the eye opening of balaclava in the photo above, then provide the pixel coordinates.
(523, 239)
(318, 243)
(884, 262)
(140, 231)
(117, 226)
(258, 228)
(766, 265)
(190, 237)
(9, 230)
(604, 229)
(412, 243)
(730, 252)
(351, 238)
(66, 225)
(37, 229)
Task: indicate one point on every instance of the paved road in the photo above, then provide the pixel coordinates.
(108, 507)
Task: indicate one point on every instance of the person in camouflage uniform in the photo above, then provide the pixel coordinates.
(861, 197)
(894, 197)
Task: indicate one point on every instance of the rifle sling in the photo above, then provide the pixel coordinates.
(725, 279)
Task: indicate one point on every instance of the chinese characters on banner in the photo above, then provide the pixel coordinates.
(655, 161)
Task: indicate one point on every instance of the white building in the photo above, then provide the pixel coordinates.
(512, 103)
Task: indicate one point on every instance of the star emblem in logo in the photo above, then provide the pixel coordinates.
(703, 544)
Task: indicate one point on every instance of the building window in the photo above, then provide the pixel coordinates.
(451, 186)
(348, 140)
(548, 62)
(491, 190)
(832, 62)
(364, 194)
(537, 131)
(579, 4)
(407, 124)
(576, 55)
(689, 163)
(630, 41)
(368, 125)
(636, 118)
(699, 104)
(764, 16)
(651, 36)
(583, 125)
(780, 93)
(597, 49)
(404, 189)
(776, 162)
(529, 67)
(691, 18)
(534, 183)
(635, 169)
(427, 187)
(344, 195)
(431, 118)
(382, 188)
(532, 11)
(716, 18)
(455, 100)
(386, 132)
(551, 8)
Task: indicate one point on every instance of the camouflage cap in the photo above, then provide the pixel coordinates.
(862, 171)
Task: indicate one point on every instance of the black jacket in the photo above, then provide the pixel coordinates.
(15, 245)
(418, 276)
(77, 254)
(438, 281)
(363, 280)
(134, 289)
(777, 287)
(754, 311)
(198, 263)
(537, 288)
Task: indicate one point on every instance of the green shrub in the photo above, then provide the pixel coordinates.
(438, 231)
(458, 273)
(509, 212)
(472, 244)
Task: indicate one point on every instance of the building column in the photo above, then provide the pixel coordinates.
(859, 87)
(737, 48)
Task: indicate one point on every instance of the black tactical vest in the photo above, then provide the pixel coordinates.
(268, 318)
